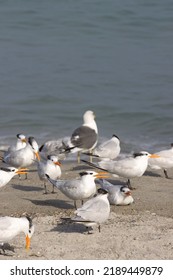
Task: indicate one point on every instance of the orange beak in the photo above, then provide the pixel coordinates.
(22, 171)
(27, 242)
(58, 163)
(128, 193)
(154, 156)
(37, 156)
(102, 175)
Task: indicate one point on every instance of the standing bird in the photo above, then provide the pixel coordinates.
(95, 211)
(11, 226)
(51, 167)
(7, 173)
(23, 157)
(20, 144)
(164, 161)
(107, 150)
(117, 194)
(85, 137)
(131, 167)
(78, 189)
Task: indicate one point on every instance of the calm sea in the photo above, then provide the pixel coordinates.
(60, 58)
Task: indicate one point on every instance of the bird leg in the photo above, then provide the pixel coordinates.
(99, 228)
(78, 157)
(129, 185)
(75, 205)
(45, 189)
(53, 190)
(166, 174)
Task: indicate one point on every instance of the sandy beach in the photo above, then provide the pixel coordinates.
(143, 230)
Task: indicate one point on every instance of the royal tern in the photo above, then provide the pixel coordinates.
(95, 211)
(109, 149)
(7, 173)
(12, 226)
(23, 157)
(51, 167)
(85, 137)
(164, 161)
(131, 167)
(117, 194)
(20, 144)
(79, 189)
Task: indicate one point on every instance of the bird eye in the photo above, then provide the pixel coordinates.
(29, 231)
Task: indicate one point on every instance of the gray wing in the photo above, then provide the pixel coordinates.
(84, 137)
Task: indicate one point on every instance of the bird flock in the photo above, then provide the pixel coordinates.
(104, 158)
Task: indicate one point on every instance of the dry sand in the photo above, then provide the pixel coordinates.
(143, 230)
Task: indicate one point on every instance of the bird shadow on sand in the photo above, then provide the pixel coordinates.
(82, 167)
(151, 174)
(57, 203)
(70, 227)
(26, 188)
(6, 247)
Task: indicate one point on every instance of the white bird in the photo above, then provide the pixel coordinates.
(23, 157)
(51, 167)
(131, 167)
(164, 161)
(117, 194)
(20, 144)
(95, 211)
(79, 189)
(12, 226)
(109, 149)
(85, 137)
(7, 173)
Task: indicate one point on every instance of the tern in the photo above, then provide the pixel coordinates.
(23, 157)
(130, 167)
(85, 137)
(164, 161)
(12, 226)
(7, 173)
(117, 194)
(51, 167)
(95, 211)
(20, 144)
(79, 189)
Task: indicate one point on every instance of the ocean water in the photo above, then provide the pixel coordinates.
(60, 58)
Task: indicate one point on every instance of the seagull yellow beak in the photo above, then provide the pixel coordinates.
(27, 246)
(154, 156)
(102, 175)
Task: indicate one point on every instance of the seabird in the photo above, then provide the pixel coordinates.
(79, 189)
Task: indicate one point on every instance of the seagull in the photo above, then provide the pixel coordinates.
(23, 157)
(107, 150)
(95, 211)
(117, 194)
(165, 161)
(51, 167)
(85, 137)
(79, 189)
(12, 226)
(7, 173)
(130, 167)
